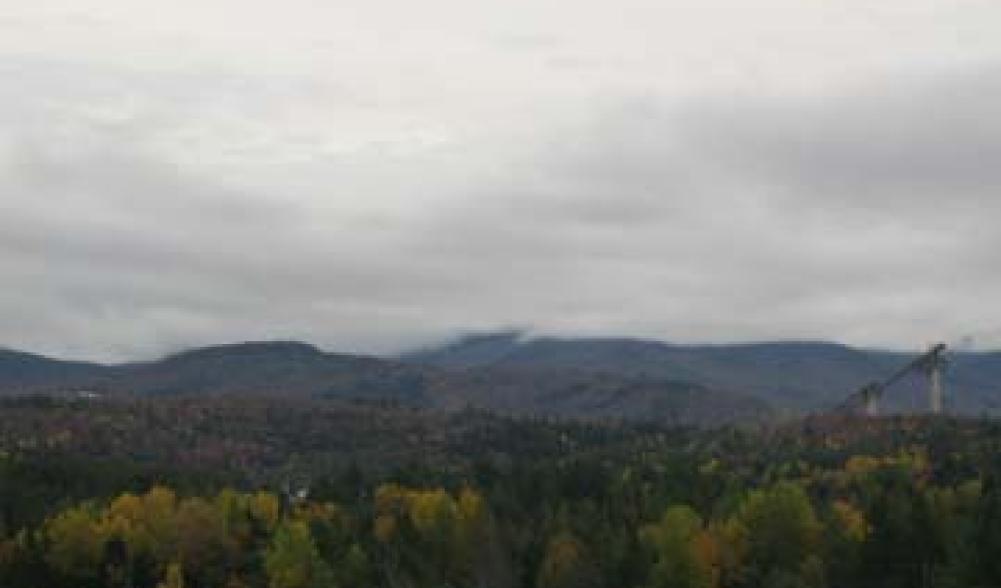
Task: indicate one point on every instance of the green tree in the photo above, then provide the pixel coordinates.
(676, 561)
(987, 546)
(75, 545)
(782, 533)
(293, 561)
(203, 547)
(355, 568)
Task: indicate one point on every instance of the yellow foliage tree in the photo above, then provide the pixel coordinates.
(174, 577)
(75, 542)
(266, 509)
(851, 521)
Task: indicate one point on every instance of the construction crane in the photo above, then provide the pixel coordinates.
(931, 363)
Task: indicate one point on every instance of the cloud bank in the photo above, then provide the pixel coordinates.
(307, 174)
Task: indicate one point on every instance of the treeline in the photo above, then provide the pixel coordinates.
(190, 492)
(872, 521)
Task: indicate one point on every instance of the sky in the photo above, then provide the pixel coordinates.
(373, 176)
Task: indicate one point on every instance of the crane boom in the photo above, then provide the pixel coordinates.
(930, 362)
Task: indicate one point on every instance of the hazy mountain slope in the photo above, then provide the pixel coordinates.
(289, 369)
(26, 372)
(470, 351)
(278, 368)
(561, 377)
(794, 375)
(581, 394)
(797, 375)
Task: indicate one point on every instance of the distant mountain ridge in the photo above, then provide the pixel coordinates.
(511, 373)
(29, 371)
(799, 376)
(292, 369)
(271, 367)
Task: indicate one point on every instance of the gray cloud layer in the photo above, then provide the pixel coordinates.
(147, 206)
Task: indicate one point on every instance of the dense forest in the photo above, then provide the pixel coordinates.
(227, 492)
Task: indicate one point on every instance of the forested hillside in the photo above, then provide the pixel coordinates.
(207, 492)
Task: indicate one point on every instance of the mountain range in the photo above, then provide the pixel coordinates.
(796, 376)
(510, 373)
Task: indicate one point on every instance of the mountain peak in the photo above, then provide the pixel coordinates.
(248, 348)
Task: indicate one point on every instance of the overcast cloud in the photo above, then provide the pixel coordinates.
(371, 176)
